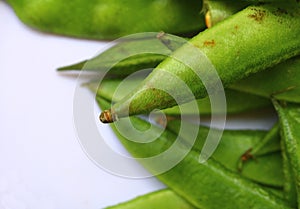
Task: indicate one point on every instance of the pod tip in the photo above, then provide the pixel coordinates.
(106, 117)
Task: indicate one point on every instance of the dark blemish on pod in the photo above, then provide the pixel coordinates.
(246, 156)
(211, 43)
(258, 15)
(280, 11)
(235, 30)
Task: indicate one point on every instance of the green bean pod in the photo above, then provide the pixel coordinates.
(233, 144)
(289, 117)
(163, 199)
(237, 102)
(122, 68)
(237, 141)
(100, 19)
(205, 185)
(244, 43)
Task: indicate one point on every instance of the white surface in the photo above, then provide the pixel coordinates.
(41, 162)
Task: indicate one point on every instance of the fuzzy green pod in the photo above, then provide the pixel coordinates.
(237, 102)
(244, 43)
(100, 19)
(162, 199)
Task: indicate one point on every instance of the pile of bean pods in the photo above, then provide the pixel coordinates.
(254, 46)
(255, 50)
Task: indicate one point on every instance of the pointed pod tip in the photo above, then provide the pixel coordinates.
(106, 117)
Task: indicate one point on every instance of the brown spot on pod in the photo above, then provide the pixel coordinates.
(258, 15)
(209, 43)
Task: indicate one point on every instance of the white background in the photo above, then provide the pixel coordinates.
(42, 164)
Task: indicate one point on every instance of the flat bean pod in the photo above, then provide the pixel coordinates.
(205, 185)
(122, 68)
(233, 144)
(236, 141)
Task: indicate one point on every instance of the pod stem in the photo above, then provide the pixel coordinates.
(107, 116)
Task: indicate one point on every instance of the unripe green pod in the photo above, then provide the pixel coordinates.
(237, 102)
(230, 47)
(289, 117)
(237, 141)
(121, 69)
(101, 19)
(205, 185)
(126, 57)
(162, 199)
(233, 144)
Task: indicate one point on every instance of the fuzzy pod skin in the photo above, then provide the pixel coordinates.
(289, 117)
(162, 199)
(281, 82)
(237, 102)
(208, 185)
(100, 19)
(243, 44)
